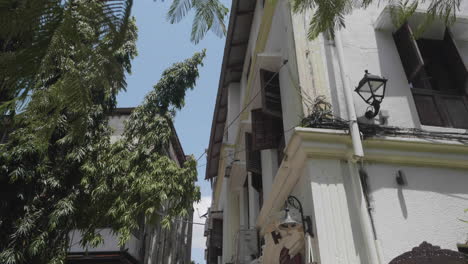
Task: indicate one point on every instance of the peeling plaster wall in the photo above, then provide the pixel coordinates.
(375, 50)
(117, 124)
(427, 209)
(364, 48)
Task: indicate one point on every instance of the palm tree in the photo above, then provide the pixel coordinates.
(329, 16)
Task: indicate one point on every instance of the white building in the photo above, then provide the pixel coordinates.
(151, 243)
(288, 123)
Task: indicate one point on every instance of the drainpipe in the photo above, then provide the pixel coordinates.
(353, 124)
(358, 155)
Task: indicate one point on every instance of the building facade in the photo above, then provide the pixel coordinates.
(289, 132)
(151, 243)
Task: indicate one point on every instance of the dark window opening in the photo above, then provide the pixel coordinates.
(267, 122)
(258, 186)
(252, 157)
(437, 77)
(271, 93)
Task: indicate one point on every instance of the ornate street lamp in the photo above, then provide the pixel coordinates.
(372, 90)
(288, 223)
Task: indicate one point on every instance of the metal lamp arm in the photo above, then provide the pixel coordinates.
(306, 228)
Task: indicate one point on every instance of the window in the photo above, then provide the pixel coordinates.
(267, 121)
(271, 93)
(437, 77)
(252, 157)
(267, 130)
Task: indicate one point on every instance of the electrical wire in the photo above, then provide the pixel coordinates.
(201, 155)
(238, 151)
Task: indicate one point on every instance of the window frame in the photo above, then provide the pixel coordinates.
(414, 66)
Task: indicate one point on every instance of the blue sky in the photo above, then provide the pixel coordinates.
(161, 44)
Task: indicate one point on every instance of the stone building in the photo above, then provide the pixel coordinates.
(352, 149)
(151, 243)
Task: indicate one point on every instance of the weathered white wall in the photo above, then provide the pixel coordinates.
(427, 209)
(117, 124)
(281, 41)
(233, 112)
(367, 48)
(110, 242)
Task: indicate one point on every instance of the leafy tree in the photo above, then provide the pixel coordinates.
(329, 16)
(62, 64)
(84, 182)
(67, 44)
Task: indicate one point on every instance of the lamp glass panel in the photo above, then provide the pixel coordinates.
(375, 84)
(371, 84)
(367, 96)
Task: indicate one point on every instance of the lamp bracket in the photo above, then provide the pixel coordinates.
(373, 113)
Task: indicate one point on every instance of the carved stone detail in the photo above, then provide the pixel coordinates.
(429, 254)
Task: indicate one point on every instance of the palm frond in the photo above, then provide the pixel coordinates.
(400, 12)
(209, 15)
(178, 10)
(329, 16)
(301, 5)
(445, 9)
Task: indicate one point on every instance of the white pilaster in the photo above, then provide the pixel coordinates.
(332, 214)
(269, 168)
(243, 209)
(253, 202)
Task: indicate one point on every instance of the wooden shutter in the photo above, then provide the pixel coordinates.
(257, 182)
(455, 64)
(253, 159)
(409, 53)
(457, 110)
(267, 130)
(427, 105)
(217, 233)
(281, 147)
(439, 109)
(271, 93)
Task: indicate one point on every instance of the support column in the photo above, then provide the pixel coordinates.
(269, 168)
(230, 225)
(226, 227)
(253, 202)
(243, 209)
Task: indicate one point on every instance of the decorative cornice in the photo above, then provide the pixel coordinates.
(336, 144)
